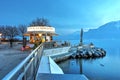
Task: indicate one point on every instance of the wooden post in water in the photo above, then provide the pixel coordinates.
(81, 36)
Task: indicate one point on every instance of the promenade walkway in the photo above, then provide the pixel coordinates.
(49, 70)
(34, 64)
(46, 76)
(10, 57)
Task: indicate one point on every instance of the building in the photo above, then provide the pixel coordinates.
(40, 33)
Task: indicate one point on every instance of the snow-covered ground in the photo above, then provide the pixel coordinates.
(10, 57)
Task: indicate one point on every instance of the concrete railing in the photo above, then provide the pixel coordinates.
(56, 51)
(54, 44)
(27, 69)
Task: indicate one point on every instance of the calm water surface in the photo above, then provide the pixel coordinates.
(106, 68)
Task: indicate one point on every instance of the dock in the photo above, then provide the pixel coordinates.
(47, 76)
(38, 66)
(49, 70)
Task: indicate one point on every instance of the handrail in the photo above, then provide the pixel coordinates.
(32, 61)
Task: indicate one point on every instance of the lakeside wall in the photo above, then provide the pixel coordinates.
(56, 51)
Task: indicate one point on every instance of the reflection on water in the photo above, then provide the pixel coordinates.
(80, 62)
(104, 68)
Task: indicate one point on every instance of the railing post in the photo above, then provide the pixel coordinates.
(24, 77)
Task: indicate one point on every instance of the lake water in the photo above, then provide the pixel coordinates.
(106, 68)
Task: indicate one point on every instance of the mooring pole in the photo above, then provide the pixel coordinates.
(81, 36)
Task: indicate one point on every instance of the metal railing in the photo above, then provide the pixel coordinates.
(27, 69)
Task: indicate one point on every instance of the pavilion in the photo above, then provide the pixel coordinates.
(40, 33)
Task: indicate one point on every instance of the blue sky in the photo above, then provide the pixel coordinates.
(65, 15)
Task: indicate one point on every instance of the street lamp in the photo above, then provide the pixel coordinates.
(0, 37)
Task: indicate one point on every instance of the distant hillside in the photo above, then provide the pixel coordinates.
(109, 30)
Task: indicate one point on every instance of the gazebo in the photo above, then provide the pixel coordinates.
(40, 33)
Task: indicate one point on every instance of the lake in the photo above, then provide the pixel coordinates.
(106, 68)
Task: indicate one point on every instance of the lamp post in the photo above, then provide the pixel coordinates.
(0, 37)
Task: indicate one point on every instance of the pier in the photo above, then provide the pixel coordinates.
(61, 77)
(87, 50)
(38, 66)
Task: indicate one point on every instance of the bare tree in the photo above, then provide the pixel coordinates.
(12, 31)
(3, 31)
(22, 29)
(40, 22)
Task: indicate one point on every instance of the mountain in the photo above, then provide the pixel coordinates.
(109, 30)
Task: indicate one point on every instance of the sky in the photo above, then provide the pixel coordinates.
(66, 16)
